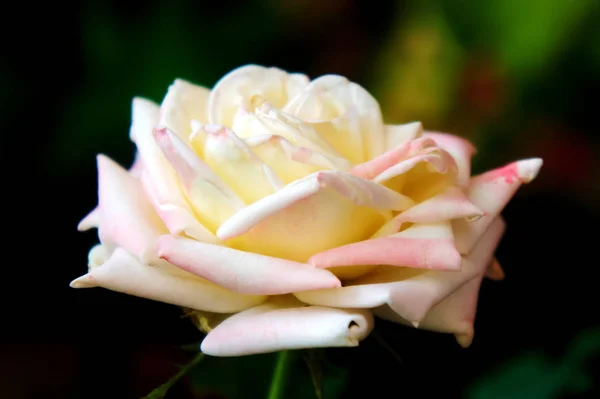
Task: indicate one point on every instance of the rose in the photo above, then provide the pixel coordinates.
(285, 214)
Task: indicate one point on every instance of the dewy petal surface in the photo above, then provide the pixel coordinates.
(285, 324)
(122, 272)
(322, 211)
(243, 272)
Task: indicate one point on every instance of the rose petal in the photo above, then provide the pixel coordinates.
(461, 150)
(396, 135)
(235, 163)
(283, 324)
(268, 120)
(290, 162)
(122, 272)
(449, 205)
(455, 314)
(411, 293)
(90, 221)
(159, 178)
(353, 113)
(241, 271)
(324, 210)
(183, 103)
(424, 246)
(494, 271)
(490, 192)
(396, 158)
(126, 217)
(212, 199)
(239, 87)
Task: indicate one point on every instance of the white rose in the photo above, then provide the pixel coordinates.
(288, 207)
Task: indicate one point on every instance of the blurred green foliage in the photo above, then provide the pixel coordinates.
(537, 375)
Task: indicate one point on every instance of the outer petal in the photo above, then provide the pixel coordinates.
(322, 211)
(212, 199)
(421, 246)
(396, 135)
(354, 114)
(449, 205)
(411, 293)
(183, 103)
(461, 150)
(125, 215)
(491, 192)
(122, 272)
(455, 314)
(241, 86)
(494, 271)
(243, 272)
(284, 324)
(159, 178)
(235, 163)
(90, 221)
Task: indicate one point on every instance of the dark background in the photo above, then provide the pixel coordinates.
(519, 79)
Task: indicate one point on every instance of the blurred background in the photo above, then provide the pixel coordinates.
(518, 78)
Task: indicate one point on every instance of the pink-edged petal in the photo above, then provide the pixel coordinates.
(211, 198)
(324, 210)
(461, 150)
(241, 86)
(376, 166)
(449, 205)
(396, 135)
(423, 246)
(360, 192)
(235, 162)
(284, 324)
(183, 103)
(160, 180)
(126, 217)
(241, 271)
(490, 192)
(494, 271)
(409, 292)
(122, 272)
(455, 314)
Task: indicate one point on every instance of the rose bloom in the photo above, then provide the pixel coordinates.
(285, 214)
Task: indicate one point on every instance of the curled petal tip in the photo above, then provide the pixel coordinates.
(85, 281)
(528, 169)
(464, 340)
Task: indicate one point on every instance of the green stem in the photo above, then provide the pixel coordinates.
(282, 366)
(162, 390)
